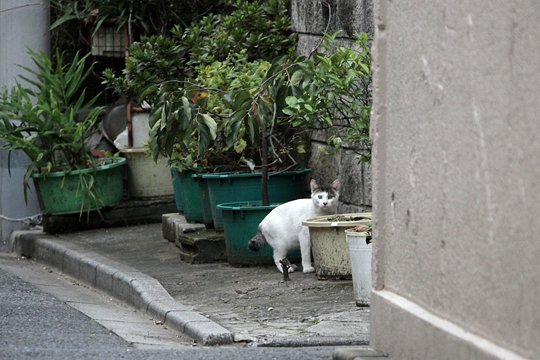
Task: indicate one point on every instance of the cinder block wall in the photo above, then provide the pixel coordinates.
(310, 20)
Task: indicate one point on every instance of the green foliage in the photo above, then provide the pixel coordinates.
(332, 89)
(181, 129)
(49, 118)
(148, 17)
(223, 80)
(259, 122)
(261, 28)
(227, 60)
(151, 61)
(234, 73)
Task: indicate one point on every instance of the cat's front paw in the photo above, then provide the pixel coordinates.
(308, 269)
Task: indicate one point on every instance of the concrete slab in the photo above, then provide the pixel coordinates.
(202, 246)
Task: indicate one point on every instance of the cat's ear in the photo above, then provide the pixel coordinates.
(313, 185)
(336, 185)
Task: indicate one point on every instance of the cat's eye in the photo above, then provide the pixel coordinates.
(330, 196)
(320, 196)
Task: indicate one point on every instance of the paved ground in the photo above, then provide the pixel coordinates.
(26, 331)
(254, 303)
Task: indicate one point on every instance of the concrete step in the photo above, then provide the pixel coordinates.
(196, 243)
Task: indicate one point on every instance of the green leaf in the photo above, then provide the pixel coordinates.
(240, 146)
(211, 125)
(186, 106)
(292, 101)
(288, 111)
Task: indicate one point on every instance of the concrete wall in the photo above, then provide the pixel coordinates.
(456, 179)
(23, 23)
(310, 20)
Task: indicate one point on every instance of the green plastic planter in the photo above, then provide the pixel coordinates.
(59, 193)
(207, 218)
(240, 222)
(177, 188)
(234, 187)
(196, 206)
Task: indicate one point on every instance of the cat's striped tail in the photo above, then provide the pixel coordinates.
(257, 242)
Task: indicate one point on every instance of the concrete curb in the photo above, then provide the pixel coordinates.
(358, 354)
(121, 281)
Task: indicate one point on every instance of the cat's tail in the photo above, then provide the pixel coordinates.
(257, 242)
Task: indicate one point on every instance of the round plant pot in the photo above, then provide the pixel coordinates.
(61, 193)
(360, 254)
(240, 223)
(196, 205)
(146, 178)
(177, 188)
(329, 245)
(241, 220)
(234, 187)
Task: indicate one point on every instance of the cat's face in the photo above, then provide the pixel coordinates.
(325, 197)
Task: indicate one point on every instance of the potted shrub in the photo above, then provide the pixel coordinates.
(326, 90)
(359, 241)
(199, 124)
(49, 119)
(331, 92)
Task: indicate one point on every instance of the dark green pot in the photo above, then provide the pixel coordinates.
(234, 187)
(195, 198)
(240, 223)
(177, 187)
(61, 193)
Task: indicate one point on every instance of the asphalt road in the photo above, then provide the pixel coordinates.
(39, 320)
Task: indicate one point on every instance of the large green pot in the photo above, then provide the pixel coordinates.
(62, 193)
(177, 188)
(195, 198)
(240, 222)
(234, 187)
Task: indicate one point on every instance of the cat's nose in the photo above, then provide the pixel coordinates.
(325, 203)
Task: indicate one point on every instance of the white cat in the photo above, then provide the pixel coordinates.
(283, 230)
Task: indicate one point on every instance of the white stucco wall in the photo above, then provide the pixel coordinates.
(457, 179)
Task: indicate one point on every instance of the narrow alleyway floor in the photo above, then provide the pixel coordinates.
(252, 302)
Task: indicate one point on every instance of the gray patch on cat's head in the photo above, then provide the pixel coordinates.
(325, 198)
(332, 189)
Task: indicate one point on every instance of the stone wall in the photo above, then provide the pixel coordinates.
(310, 20)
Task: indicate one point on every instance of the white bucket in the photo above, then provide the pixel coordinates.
(360, 254)
(147, 178)
(140, 130)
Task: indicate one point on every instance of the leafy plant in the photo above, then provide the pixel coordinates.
(227, 56)
(320, 92)
(150, 62)
(332, 90)
(261, 28)
(148, 17)
(180, 128)
(49, 118)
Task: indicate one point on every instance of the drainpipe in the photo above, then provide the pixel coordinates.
(23, 24)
